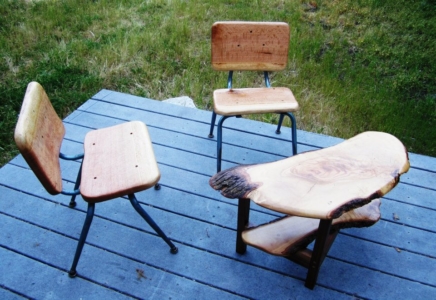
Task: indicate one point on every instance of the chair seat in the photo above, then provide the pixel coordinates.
(119, 160)
(285, 236)
(229, 102)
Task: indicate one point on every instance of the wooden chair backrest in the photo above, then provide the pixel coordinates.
(255, 46)
(38, 135)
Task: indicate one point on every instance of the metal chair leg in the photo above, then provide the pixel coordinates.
(294, 133)
(243, 218)
(76, 186)
(89, 215)
(318, 253)
(220, 134)
(212, 125)
(294, 129)
(150, 221)
(219, 142)
(279, 125)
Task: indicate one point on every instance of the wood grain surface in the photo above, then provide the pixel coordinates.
(250, 46)
(321, 184)
(290, 234)
(38, 134)
(119, 160)
(254, 100)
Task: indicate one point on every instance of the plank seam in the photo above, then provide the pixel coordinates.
(13, 291)
(387, 273)
(202, 122)
(419, 186)
(412, 204)
(422, 169)
(187, 244)
(61, 269)
(196, 136)
(211, 223)
(254, 209)
(191, 120)
(385, 245)
(115, 253)
(178, 117)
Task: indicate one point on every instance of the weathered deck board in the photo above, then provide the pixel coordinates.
(38, 280)
(165, 202)
(398, 260)
(312, 139)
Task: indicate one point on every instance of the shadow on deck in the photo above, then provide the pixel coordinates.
(123, 257)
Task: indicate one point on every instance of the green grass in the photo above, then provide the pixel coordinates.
(353, 65)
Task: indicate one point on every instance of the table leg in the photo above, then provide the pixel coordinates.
(243, 217)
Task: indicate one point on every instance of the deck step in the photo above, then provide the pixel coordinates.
(285, 236)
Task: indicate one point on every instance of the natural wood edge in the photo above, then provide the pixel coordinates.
(278, 238)
(233, 183)
(38, 135)
(321, 184)
(51, 186)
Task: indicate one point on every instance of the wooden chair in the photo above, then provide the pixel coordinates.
(117, 161)
(251, 46)
(321, 192)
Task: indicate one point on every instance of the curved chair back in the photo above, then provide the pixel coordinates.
(261, 46)
(38, 135)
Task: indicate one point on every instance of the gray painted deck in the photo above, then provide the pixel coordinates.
(394, 259)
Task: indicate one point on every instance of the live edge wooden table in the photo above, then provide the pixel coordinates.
(321, 192)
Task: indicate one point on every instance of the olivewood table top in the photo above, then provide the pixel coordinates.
(321, 184)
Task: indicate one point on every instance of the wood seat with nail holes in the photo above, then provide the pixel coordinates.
(251, 46)
(321, 191)
(132, 166)
(253, 101)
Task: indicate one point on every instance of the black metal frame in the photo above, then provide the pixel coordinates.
(87, 224)
(76, 190)
(223, 118)
(90, 214)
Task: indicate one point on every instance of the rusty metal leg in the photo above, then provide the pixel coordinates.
(318, 253)
(243, 218)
